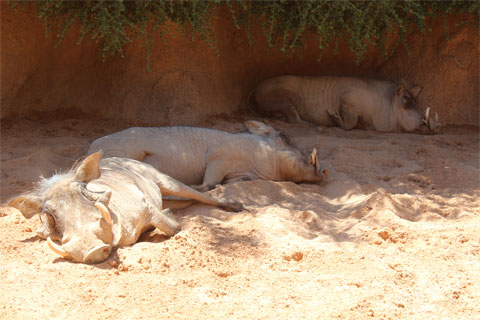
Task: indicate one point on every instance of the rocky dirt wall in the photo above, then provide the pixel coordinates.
(189, 81)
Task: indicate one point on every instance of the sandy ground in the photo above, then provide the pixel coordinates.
(393, 234)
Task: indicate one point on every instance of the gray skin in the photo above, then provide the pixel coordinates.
(106, 203)
(204, 157)
(345, 102)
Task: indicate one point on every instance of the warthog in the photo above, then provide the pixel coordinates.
(106, 203)
(346, 102)
(205, 157)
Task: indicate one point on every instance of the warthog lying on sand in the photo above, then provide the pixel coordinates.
(106, 203)
(206, 157)
(346, 102)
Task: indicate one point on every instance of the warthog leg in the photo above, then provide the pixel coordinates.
(292, 114)
(347, 122)
(163, 221)
(171, 187)
(214, 174)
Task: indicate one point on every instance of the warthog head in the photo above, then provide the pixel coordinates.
(410, 117)
(75, 216)
(296, 167)
(292, 164)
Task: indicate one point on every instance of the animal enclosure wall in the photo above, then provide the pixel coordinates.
(188, 81)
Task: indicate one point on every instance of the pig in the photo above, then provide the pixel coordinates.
(105, 203)
(204, 157)
(345, 102)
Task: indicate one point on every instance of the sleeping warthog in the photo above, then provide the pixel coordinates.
(105, 203)
(345, 102)
(206, 157)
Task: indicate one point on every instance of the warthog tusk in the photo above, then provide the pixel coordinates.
(104, 212)
(431, 123)
(434, 123)
(57, 249)
(313, 156)
(427, 115)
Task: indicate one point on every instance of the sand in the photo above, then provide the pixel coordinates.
(392, 234)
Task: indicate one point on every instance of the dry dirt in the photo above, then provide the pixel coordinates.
(393, 234)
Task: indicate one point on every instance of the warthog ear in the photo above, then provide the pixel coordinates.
(415, 90)
(89, 169)
(400, 91)
(28, 205)
(259, 128)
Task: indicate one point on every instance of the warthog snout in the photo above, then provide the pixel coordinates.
(97, 254)
(94, 255)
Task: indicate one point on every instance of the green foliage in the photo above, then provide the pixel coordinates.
(358, 23)
(113, 24)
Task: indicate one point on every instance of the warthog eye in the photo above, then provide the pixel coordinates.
(408, 102)
(50, 218)
(91, 195)
(284, 136)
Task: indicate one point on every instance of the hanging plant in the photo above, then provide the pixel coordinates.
(113, 24)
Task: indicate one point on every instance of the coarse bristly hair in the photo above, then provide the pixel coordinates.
(45, 183)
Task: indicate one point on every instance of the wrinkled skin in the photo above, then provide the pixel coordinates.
(206, 157)
(345, 102)
(104, 204)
